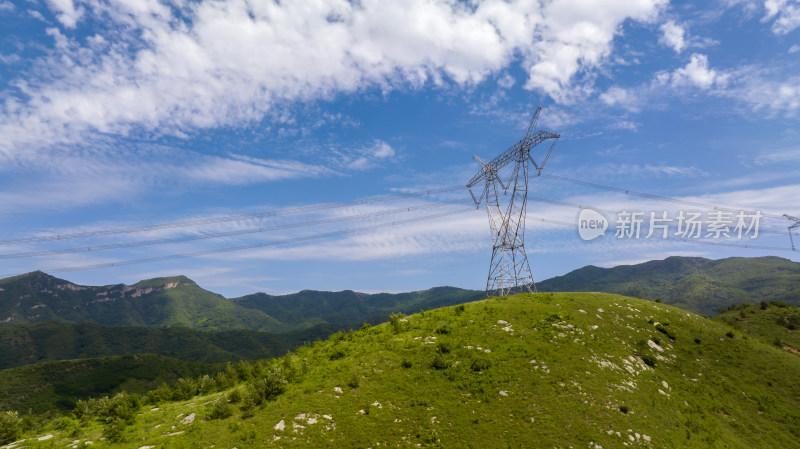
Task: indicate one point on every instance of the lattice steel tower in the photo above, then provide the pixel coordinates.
(795, 225)
(509, 271)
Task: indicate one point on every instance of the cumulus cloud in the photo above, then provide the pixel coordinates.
(673, 36)
(698, 73)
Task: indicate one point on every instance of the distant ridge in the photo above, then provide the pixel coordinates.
(695, 284)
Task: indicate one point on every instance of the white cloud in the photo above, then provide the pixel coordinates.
(697, 73)
(625, 98)
(625, 124)
(576, 37)
(794, 49)
(673, 36)
(506, 81)
(209, 64)
(362, 158)
(787, 13)
(66, 12)
(6, 5)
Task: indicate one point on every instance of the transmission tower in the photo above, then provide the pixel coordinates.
(795, 225)
(509, 271)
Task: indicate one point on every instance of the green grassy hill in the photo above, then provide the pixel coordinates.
(582, 370)
(51, 341)
(692, 283)
(776, 323)
(58, 385)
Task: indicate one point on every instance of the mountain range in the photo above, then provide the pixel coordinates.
(695, 284)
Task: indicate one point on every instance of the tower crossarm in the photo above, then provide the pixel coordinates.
(511, 154)
(794, 219)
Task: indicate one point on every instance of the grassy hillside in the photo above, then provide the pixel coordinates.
(58, 385)
(51, 341)
(160, 302)
(776, 323)
(547, 370)
(692, 283)
(310, 307)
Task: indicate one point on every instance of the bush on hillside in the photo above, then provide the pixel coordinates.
(10, 427)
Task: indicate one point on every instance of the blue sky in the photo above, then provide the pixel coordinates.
(121, 115)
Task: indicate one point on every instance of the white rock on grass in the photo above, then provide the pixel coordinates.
(280, 426)
(189, 418)
(337, 390)
(45, 437)
(655, 346)
(503, 393)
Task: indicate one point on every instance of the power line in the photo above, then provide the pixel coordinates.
(258, 245)
(651, 196)
(579, 206)
(692, 241)
(217, 235)
(225, 218)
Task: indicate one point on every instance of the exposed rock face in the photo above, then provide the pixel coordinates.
(36, 296)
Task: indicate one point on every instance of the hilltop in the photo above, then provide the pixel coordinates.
(696, 284)
(775, 322)
(546, 370)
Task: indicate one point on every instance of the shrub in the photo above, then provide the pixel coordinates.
(65, 423)
(662, 328)
(697, 340)
(405, 364)
(235, 396)
(395, 322)
(10, 426)
(459, 309)
(113, 430)
(354, 381)
(219, 409)
(648, 360)
(160, 394)
(184, 389)
(763, 305)
(439, 362)
(623, 409)
(441, 329)
(730, 334)
(244, 371)
(480, 364)
(443, 348)
(268, 387)
(206, 385)
(365, 326)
